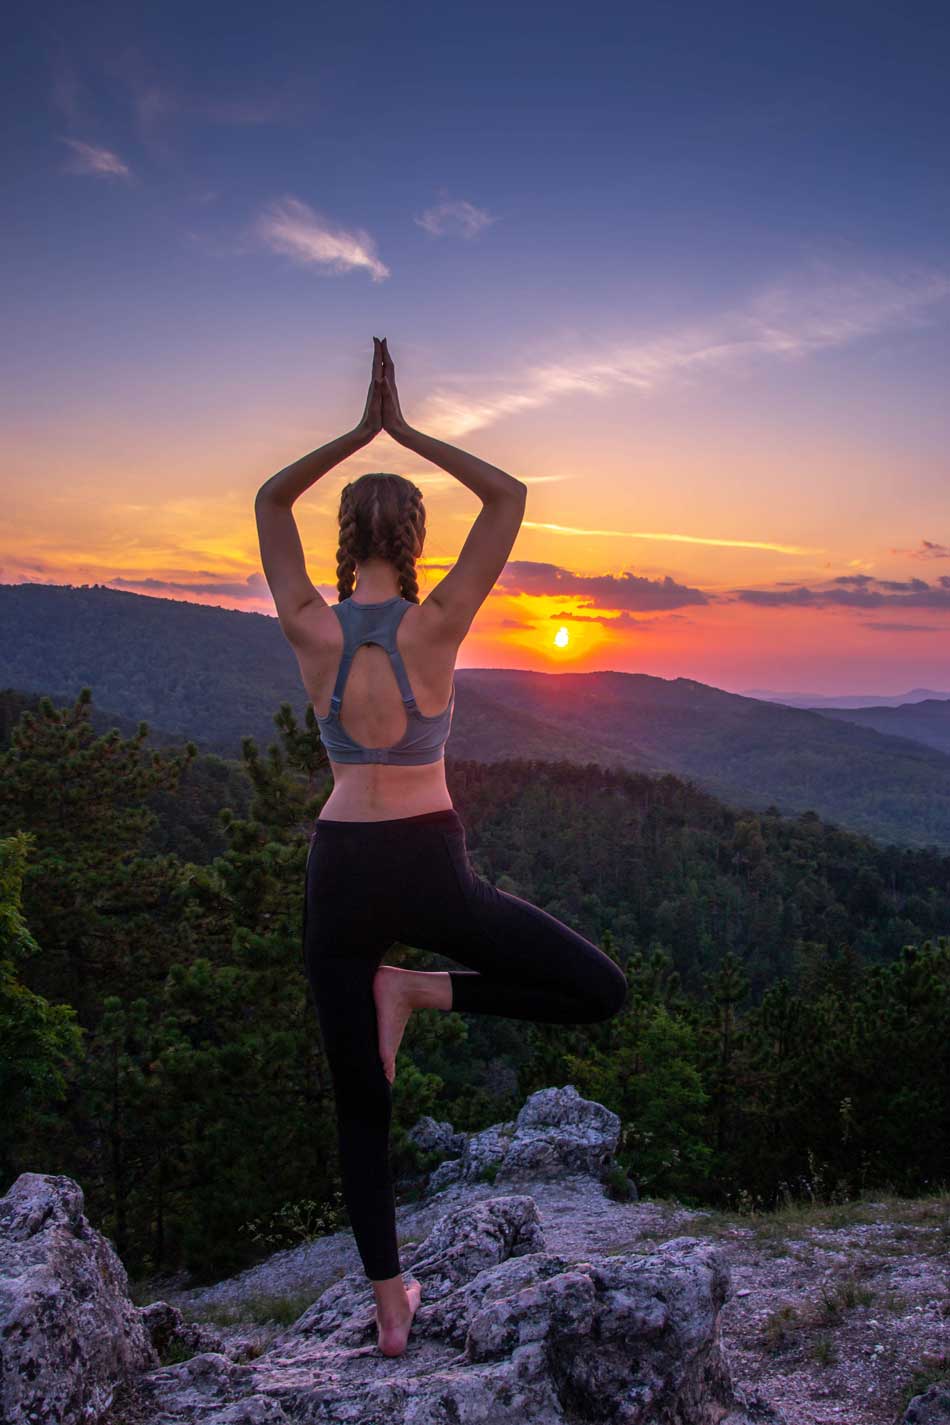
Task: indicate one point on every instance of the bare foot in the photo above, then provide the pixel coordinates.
(393, 1332)
(391, 991)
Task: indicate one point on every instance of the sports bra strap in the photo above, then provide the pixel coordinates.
(402, 677)
(386, 637)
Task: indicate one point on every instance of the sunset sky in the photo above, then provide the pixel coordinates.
(683, 269)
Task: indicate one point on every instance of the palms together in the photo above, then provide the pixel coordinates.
(382, 411)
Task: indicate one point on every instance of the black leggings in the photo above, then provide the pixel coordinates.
(409, 879)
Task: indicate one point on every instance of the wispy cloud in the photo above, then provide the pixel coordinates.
(903, 627)
(856, 591)
(253, 587)
(621, 620)
(926, 549)
(457, 216)
(99, 162)
(288, 226)
(791, 320)
(675, 538)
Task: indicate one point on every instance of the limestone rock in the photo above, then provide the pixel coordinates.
(433, 1137)
(68, 1332)
(556, 1132)
(168, 1330)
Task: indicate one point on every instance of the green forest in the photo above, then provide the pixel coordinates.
(786, 1035)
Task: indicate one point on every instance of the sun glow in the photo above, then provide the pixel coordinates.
(561, 637)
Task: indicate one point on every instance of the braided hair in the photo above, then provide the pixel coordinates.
(381, 517)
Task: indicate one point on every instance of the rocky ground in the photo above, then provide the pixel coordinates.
(838, 1314)
(544, 1299)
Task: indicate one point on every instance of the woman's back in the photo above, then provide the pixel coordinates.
(372, 711)
(388, 697)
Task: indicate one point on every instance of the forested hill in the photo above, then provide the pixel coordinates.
(748, 752)
(216, 675)
(927, 721)
(660, 861)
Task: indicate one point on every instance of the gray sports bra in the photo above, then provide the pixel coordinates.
(425, 736)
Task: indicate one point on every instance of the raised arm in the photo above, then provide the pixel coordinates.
(282, 556)
(463, 590)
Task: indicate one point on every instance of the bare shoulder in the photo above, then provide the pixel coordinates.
(313, 626)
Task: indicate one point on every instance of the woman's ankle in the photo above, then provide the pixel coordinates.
(431, 989)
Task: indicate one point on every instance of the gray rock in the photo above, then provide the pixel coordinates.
(556, 1132)
(168, 1330)
(931, 1408)
(69, 1335)
(433, 1137)
(505, 1331)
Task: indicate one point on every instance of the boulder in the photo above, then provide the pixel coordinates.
(556, 1132)
(69, 1335)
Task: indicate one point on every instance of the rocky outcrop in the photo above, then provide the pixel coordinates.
(506, 1331)
(556, 1132)
(69, 1335)
(508, 1328)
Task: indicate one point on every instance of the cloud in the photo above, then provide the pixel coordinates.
(604, 591)
(253, 587)
(676, 538)
(456, 216)
(904, 627)
(856, 591)
(926, 549)
(293, 229)
(816, 310)
(100, 162)
(621, 620)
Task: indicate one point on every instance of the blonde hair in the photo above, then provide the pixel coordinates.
(381, 517)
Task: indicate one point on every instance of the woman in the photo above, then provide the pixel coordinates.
(388, 859)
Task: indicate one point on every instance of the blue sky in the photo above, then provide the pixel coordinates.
(682, 268)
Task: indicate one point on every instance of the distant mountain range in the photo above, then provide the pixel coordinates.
(927, 722)
(218, 675)
(845, 700)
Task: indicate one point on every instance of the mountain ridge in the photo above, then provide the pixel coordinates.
(217, 675)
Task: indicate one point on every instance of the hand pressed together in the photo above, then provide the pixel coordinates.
(371, 421)
(383, 411)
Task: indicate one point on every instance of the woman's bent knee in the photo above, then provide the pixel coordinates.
(610, 994)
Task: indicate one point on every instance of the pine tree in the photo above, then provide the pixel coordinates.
(39, 1041)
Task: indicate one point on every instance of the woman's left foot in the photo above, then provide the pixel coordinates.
(391, 991)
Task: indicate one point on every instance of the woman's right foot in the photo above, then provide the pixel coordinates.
(393, 1333)
(391, 991)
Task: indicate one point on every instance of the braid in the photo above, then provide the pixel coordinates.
(383, 517)
(346, 550)
(403, 544)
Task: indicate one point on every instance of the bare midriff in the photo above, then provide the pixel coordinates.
(380, 791)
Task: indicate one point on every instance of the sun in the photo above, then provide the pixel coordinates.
(561, 637)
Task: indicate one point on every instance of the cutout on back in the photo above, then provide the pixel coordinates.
(388, 705)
